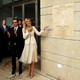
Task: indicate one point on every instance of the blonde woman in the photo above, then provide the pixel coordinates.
(29, 54)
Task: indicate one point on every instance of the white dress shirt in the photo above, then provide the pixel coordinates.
(4, 27)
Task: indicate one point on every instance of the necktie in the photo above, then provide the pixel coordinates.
(15, 31)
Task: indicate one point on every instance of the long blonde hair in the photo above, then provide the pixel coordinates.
(25, 25)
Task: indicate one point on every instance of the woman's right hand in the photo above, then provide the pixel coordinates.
(45, 27)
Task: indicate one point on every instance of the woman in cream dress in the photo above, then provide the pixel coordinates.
(29, 54)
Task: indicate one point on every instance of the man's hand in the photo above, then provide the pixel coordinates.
(8, 33)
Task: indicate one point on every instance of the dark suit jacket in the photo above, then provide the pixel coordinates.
(20, 26)
(5, 36)
(1, 38)
(17, 42)
(7, 27)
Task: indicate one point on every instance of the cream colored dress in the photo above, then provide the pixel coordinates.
(29, 53)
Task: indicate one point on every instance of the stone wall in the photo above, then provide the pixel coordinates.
(60, 53)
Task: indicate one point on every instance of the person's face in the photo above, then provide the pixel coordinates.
(4, 22)
(15, 23)
(28, 22)
(20, 22)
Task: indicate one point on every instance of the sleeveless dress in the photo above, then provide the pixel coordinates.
(29, 53)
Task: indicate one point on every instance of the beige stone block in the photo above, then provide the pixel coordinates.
(75, 74)
(77, 21)
(57, 46)
(43, 69)
(46, 20)
(64, 73)
(46, 44)
(77, 6)
(77, 1)
(61, 59)
(76, 49)
(58, 2)
(53, 69)
(49, 68)
(75, 63)
(56, 58)
(62, 47)
(76, 35)
(45, 11)
(46, 3)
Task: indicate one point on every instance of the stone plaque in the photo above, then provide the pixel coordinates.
(63, 20)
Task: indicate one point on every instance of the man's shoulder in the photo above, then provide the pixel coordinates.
(20, 28)
(1, 27)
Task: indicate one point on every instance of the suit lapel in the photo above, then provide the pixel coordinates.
(18, 30)
(3, 28)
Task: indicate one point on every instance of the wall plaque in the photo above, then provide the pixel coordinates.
(63, 20)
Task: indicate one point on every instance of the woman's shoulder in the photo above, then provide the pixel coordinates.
(33, 27)
(23, 30)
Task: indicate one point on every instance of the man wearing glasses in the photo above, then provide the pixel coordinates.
(17, 43)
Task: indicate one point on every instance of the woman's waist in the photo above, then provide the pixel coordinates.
(30, 41)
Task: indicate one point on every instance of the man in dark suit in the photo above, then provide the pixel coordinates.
(17, 44)
(1, 45)
(20, 23)
(5, 39)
